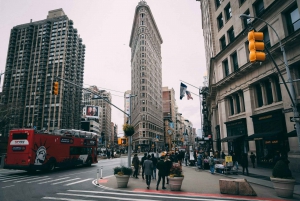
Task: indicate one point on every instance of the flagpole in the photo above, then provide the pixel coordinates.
(189, 84)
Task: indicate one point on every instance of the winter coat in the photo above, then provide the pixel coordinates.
(252, 156)
(136, 161)
(168, 167)
(154, 161)
(148, 167)
(162, 168)
(244, 160)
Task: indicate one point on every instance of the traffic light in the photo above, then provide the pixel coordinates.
(256, 44)
(55, 88)
(124, 141)
(119, 141)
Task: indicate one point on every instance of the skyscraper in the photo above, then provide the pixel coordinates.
(37, 53)
(146, 79)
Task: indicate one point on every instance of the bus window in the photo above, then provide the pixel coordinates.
(19, 136)
(89, 150)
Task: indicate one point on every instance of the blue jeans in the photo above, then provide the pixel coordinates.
(212, 169)
(154, 172)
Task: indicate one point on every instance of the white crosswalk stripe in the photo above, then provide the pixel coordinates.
(18, 178)
(65, 181)
(54, 180)
(39, 180)
(78, 182)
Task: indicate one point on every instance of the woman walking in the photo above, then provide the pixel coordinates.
(148, 167)
(136, 163)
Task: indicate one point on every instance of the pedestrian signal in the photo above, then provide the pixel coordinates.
(256, 45)
(55, 88)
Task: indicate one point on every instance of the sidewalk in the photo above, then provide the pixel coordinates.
(200, 184)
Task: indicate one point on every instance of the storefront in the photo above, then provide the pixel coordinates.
(270, 137)
(236, 135)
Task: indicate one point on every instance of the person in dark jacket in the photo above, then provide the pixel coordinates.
(154, 161)
(142, 164)
(162, 168)
(136, 163)
(148, 168)
(169, 165)
(223, 155)
(253, 157)
(245, 163)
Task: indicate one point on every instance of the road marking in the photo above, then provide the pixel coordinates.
(64, 181)
(8, 186)
(77, 182)
(22, 180)
(39, 180)
(67, 199)
(79, 173)
(11, 177)
(53, 180)
(96, 196)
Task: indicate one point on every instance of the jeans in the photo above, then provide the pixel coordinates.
(163, 180)
(236, 165)
(154, 172)
(143, 172)
(246, 170)
(212, 169)
(148, 179)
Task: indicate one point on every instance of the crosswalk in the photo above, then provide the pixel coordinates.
(83, 195)
(10, 177)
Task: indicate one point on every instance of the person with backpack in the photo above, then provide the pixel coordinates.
(211, 162)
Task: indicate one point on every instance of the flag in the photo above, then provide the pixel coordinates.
(182, 90)
(189, 96)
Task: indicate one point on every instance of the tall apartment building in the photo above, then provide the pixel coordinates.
(146, 78)
(248, 108)
(104, 110)
(37, 53)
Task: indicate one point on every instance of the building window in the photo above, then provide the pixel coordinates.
(238, 104)
(242, 1)
(269, 93)
(231, 106)
(245, 20)
(223, 43)
(266, 37)
(259, 7)
(218, 3)
(259, 95)
(226, 68)
(220, 21)
(293, 19)
(235, 62)
(228, 12)
(231, 34)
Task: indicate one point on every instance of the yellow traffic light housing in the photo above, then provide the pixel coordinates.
(55, 88)
(256, 43)
(124, 141)
(119, 141)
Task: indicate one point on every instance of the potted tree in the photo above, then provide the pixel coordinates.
(128, 129)
(282, 179)
(122, 175)
(175, 177)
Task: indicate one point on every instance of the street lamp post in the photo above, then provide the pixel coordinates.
(289, 89)
(130, 137)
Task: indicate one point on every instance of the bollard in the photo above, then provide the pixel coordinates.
(101, 172)
(97, 177)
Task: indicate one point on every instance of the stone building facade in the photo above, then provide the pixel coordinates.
(248, 107)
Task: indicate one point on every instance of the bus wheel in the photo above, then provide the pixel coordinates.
(51, 166)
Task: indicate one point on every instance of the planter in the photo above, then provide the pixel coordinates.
(175, 183)
(283, 187)
(122, 181)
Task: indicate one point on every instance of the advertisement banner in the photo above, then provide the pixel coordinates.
(127, 103)
(91, 111)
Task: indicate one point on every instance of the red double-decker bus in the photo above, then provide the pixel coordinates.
(32, 150)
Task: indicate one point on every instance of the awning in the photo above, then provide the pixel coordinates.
(231, 138)
(292, 134)
(266, 135)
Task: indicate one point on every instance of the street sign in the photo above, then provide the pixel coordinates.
(228, 158)
(294, 119)
(287, 110)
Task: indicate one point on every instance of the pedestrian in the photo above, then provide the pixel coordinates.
(211, 162)
(179, 157)
(235, 162)
(169, 165)
(162, 168)
(148, 167)
(142, 164)
(187, 157)
(223, 155)
(253, 157)
(154, 161)
(199, 161)
(245, 163)
(136, 163)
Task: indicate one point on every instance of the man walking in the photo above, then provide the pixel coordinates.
(169, 165)
(211, 162)
(253, 157)
(148, 167)
(142, 164)
(161, 166)
(154, 161)
(136, 163)
(245, 163)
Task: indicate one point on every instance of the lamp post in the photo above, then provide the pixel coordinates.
(130, 137)
(289, 89)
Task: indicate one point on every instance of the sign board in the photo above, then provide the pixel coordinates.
(287, 110)
(228, 159)
(294, 119)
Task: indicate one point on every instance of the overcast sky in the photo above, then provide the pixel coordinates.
(105, 27)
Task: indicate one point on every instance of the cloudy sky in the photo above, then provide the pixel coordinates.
(105, 27)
